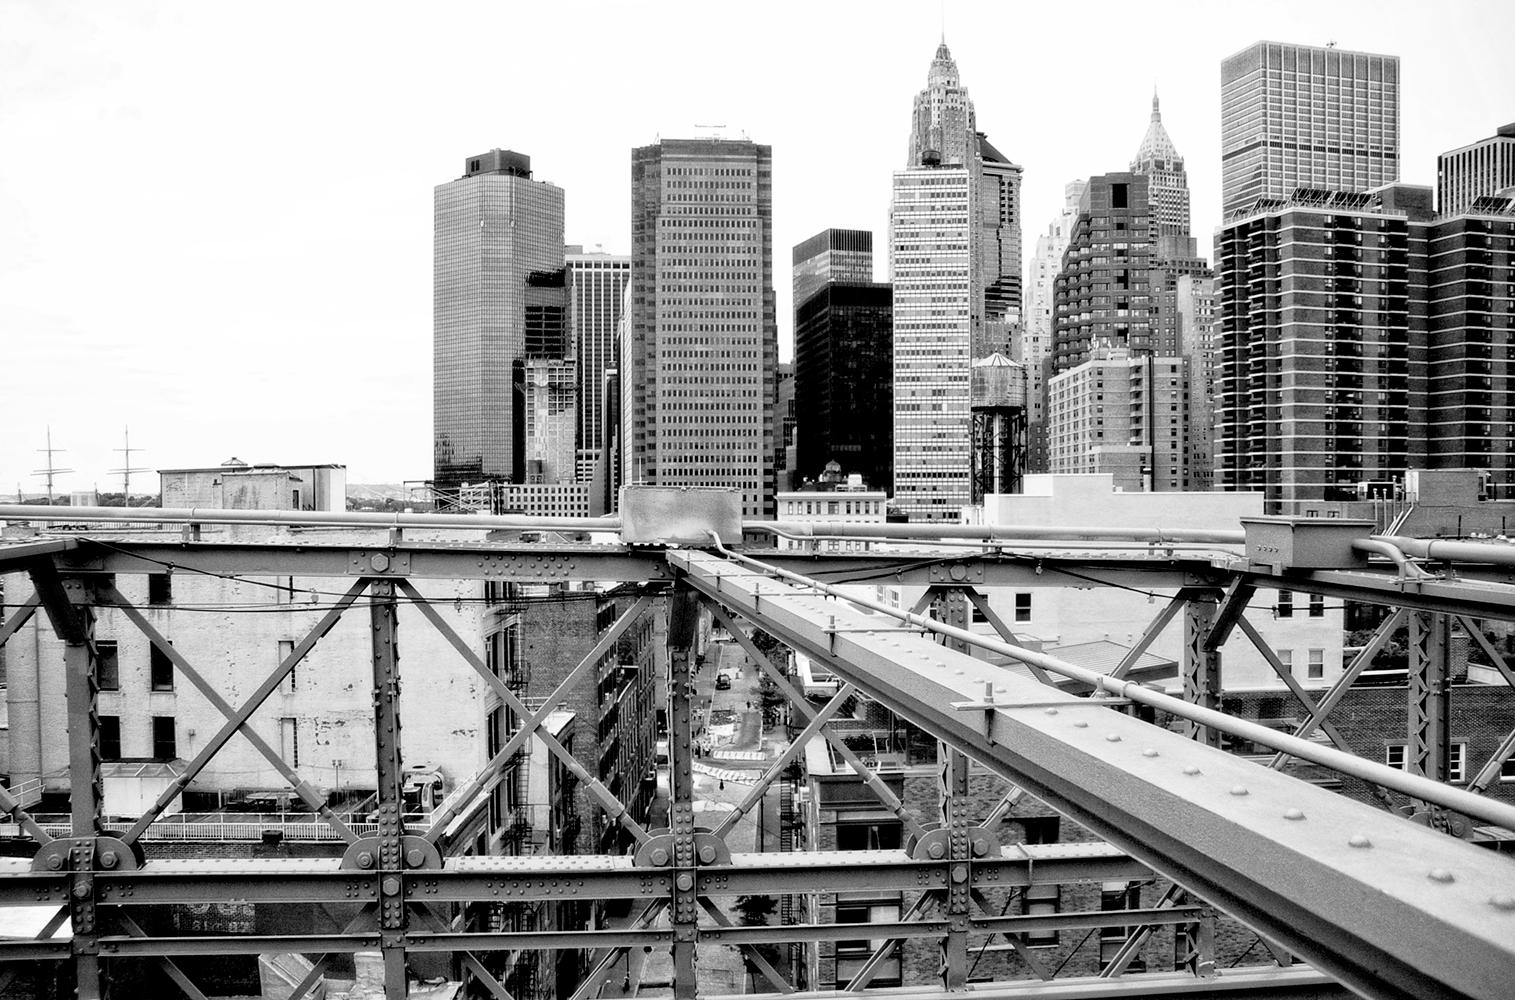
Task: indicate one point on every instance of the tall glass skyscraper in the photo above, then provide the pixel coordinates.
(1297, 116)
(498, 242)
(701, 354)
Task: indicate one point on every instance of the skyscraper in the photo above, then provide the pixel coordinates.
(942, 125)
(1297, 116)
(700, 359)
(1321, 350)
(1158, 159)
(999, 236)
(931, 229)
(843, 381)
(1485, 167)
(832, 255)
(1104, 288)
(498, 241)
(1032, 346)
(596, 286)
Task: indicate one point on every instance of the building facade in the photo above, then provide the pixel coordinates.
(698, 365)
(1124, 415)
(236, 485)
(844, 381)
(999, 241)
(1321, 314)
(943, 128)
(1194, 302)
(596, 288)
(832, 255)
(935, 287)
(1103, 293)
(1303, 116)
(1485, 167)
(498, 237)
(1032, 345)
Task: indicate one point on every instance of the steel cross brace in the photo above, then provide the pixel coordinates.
(1278, 853)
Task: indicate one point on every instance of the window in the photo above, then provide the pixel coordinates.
(160, 588)
(289, 742)
(1116, 896)
(1507, 769)
(160, 669)
(1041, 901)
(882, 836)
(1286, 657)
(851, 954)
(1317, 666)
(1041, 829)
(1022, 607)
(284, 650)
(165, 745)
(110, 737)
(107, 665)
(1285, 606)
(1317, 606)
(1457, 763)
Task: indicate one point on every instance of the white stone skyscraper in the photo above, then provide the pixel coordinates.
(932, 269)
(942, 125)
(700, 359)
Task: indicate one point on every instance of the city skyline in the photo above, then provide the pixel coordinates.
(236, 213)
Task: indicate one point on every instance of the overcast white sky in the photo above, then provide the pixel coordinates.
(215, 218)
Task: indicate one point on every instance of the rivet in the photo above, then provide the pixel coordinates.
(1506, 903)
(1081, 724)
(1294, 814)
(1191, 769)
(1051, 711)
(1149, 752)
(1112, 737)
(1439, 875)
(1238, 790)
(1359, 840)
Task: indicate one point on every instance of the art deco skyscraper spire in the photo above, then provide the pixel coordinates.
(1167, 182)
(942, 121)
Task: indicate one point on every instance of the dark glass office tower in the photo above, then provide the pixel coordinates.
(843, 382)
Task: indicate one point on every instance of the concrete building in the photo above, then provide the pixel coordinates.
(843, 256)
(935, 280)
(699, 363)
(1297, 116)
(549, 402)
(1123, 414)
(844, 381)
(1032, 346)
(498, 245)
(234, 484)
(1305, 632)
(596, 290)
(1479, 169)
(1103, 290)
(849, 502)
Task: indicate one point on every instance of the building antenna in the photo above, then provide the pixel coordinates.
(52, 470)
(126, 470)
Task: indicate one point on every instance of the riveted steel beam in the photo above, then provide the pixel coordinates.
(1331, 879)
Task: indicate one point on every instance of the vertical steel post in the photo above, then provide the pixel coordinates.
(391, 800)
(81, 694)
(683, 619)
(1429, 693)
(955, 820)
(954, 612)
(1201, 667)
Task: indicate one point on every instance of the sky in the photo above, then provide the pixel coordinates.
(215, 218)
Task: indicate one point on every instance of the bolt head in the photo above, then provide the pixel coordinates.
(55, 862)
(391, 886)
(81, 891)
(685, 882)
(659, 857)
(365, 859)
(415, 857)
(109, 859)
(936, 850)
(707, 854)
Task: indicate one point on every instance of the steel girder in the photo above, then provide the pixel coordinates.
(1390, 908)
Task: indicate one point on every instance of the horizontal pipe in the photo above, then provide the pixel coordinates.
(1086, 548)
(916, 532)
(308, 518)
(1435, 548)
(1476, 806)
(1380, 546)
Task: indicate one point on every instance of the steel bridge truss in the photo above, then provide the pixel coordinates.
(1386, 906)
